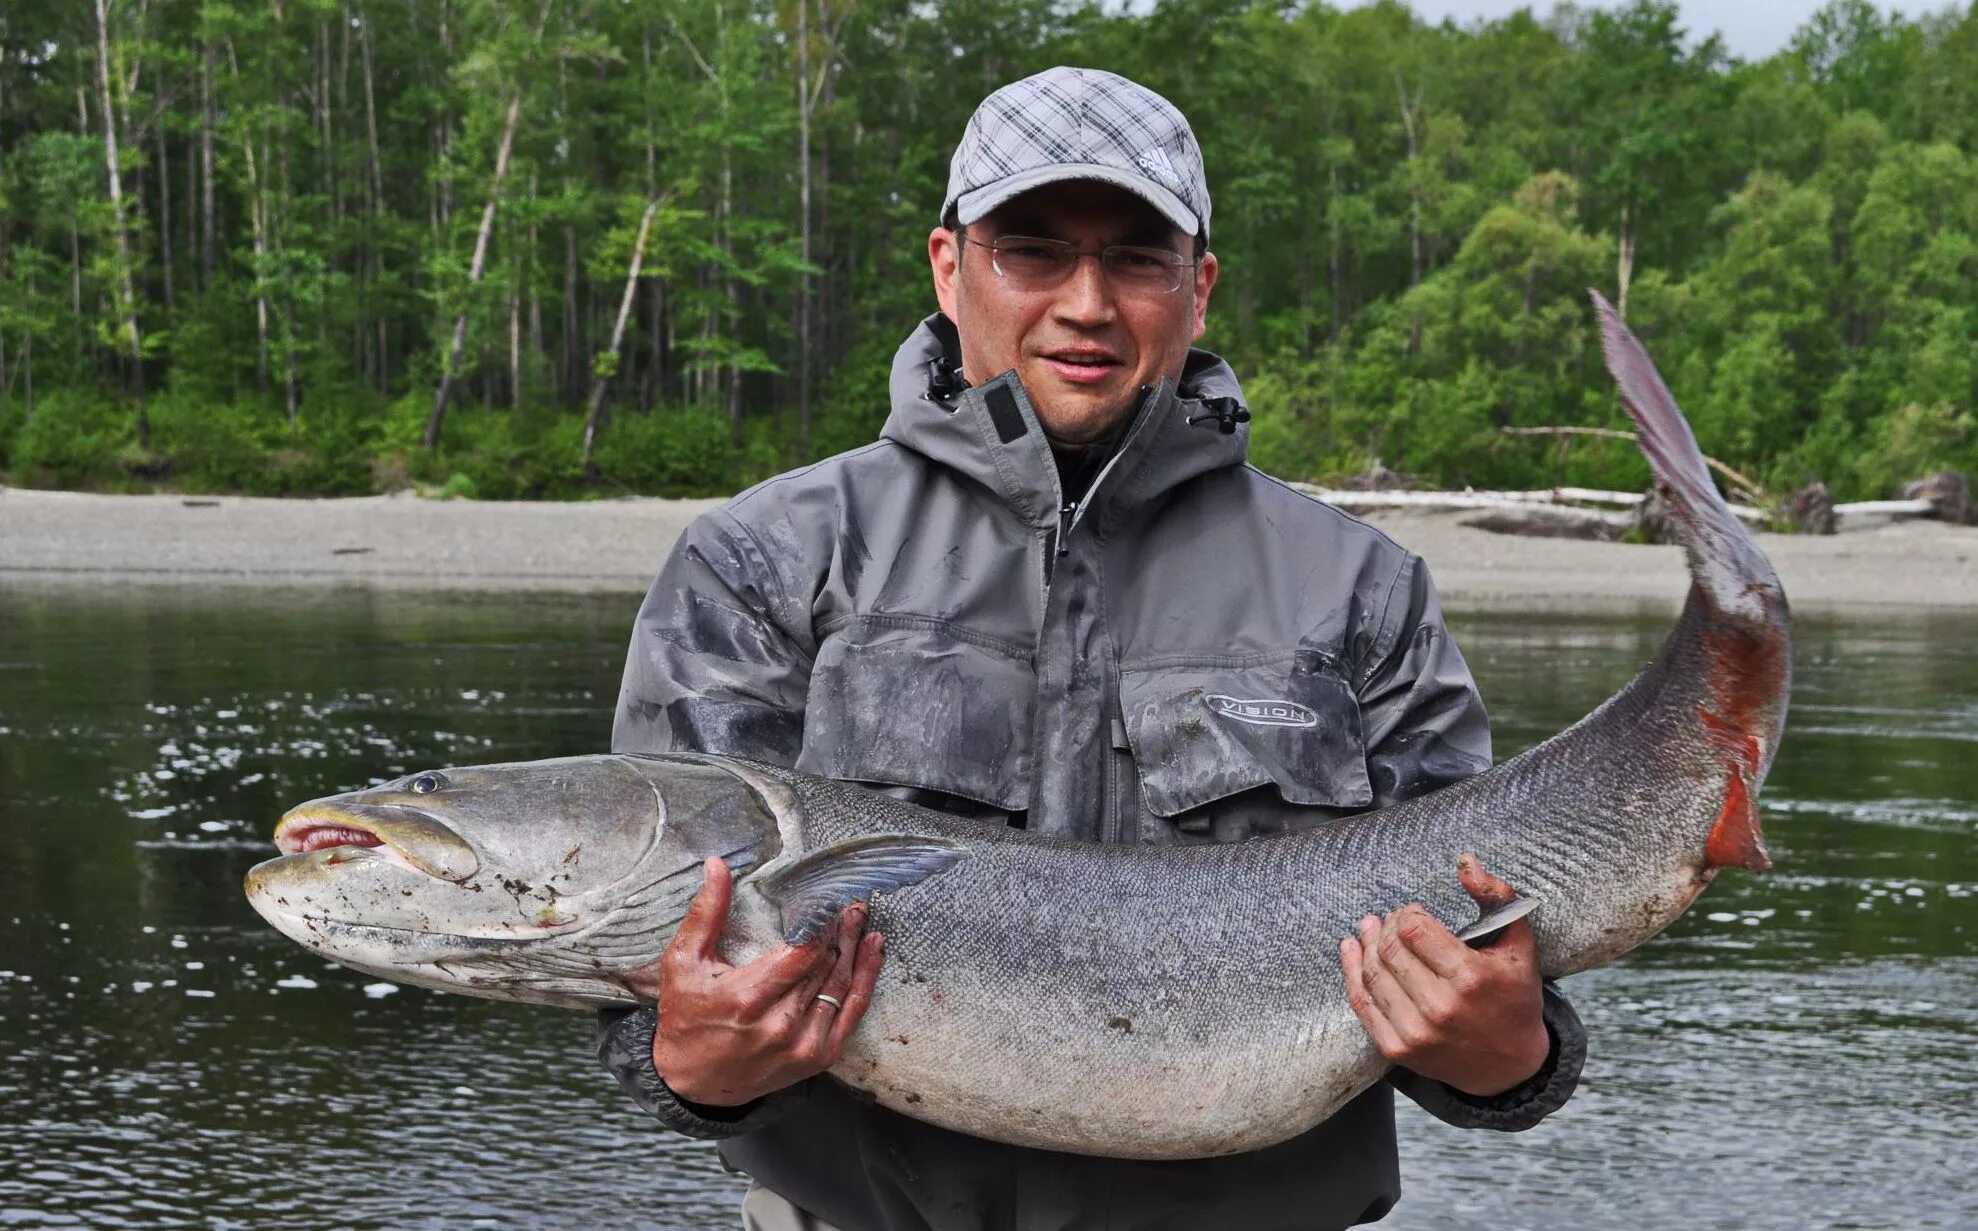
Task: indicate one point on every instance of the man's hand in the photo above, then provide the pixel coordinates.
(730, 1034)
(1468, 1018)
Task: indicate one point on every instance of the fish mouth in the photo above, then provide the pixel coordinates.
(396, 833)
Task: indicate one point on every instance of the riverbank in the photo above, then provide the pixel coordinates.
(403, 542)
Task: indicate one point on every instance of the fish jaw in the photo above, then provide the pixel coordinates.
(381, 917)
(405, 835)
(374, 893)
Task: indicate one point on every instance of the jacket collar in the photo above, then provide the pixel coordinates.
(990, 432)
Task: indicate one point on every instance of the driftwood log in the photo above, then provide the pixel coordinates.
(1811, 510)
(1559, 503)
(1947, 491)
(1563, 512)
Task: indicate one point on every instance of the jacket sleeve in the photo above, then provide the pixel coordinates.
(719, 662)
(721, 653)
(1425, 728)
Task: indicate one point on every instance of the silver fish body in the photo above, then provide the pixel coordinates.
(1144, 1002)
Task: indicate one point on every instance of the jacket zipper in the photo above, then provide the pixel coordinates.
(1056, 547)
(1058, 544)
(1112, 828)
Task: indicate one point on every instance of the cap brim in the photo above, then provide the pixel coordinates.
(971, 206)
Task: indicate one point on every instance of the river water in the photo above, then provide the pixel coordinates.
(1796, 1052)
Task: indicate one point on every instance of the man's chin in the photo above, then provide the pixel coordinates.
(1079, 415)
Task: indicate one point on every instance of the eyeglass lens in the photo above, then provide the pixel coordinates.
(1041, 264)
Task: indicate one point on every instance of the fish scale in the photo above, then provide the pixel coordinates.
(1130, 1001)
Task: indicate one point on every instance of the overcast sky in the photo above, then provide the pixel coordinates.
(1752, 29)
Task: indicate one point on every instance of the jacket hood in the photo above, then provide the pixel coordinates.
(990, 432)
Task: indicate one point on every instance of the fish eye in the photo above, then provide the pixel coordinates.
(426, 784)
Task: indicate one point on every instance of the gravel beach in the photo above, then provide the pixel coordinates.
(609, 546)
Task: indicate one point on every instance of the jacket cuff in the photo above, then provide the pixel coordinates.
(1522, 1106)
(625, 1039)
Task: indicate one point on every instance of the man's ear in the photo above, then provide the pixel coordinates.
(944, 257)
(1205, 281)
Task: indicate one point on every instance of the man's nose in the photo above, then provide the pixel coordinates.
(1086, 298)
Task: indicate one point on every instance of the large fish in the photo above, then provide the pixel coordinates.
(1143, 1002)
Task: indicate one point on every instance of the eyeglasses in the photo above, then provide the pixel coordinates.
(1028, 263)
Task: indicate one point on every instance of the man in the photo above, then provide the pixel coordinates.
(1048, 597)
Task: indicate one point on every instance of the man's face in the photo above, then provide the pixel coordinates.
(1084, 348)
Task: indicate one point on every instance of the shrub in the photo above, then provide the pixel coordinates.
(1916, 440)
(458, 487)
(13, 413)
(73, 440)
(669, 452)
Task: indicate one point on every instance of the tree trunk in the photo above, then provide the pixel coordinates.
(654, 385)
(437, 419)
(371, 114)
(567, 366)
(1409, 112)
(734, 370)
(208, 121)
(803, 225)
(189, 212)
(825, 338)
(284, 211)
(515, 340)
(528, 287)
(164, 206)
(652, 373)
(601, 380)
(328, 155)
(75, 279)
(1624, 266)
(126, 295)
(376, 242)
(1335, 264)
(257, 218)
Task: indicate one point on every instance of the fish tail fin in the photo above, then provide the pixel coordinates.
(1729, 569)
(1746, 628)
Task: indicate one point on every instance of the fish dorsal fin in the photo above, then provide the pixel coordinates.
(812, 890)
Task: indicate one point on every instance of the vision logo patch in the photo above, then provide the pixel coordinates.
(1266, 713)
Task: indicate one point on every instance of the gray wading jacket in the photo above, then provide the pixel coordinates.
(1191, 652)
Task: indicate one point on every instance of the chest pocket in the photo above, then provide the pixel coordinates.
(1213, 734)
(910, 702)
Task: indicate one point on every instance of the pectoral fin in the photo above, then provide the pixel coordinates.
(1491, 924)
(811, 891)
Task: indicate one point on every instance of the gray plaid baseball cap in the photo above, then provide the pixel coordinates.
(1079, 124)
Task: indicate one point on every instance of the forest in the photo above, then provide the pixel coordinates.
(567, 248)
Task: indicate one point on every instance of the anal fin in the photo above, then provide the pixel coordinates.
(810, 892)
(1735, 840)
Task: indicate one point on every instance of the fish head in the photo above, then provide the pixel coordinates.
(544, 881)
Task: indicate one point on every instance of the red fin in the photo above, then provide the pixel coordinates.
(1735, 841)
(1733, 740)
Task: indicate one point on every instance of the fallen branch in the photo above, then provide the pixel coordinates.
(1874, 511)
(1561, 498)
(1747, 486)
